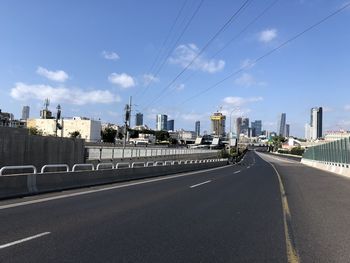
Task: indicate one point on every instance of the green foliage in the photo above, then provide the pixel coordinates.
(108, 135)
(134, 133)
(297, 151)
(75, 134)
(35, 131)
(173, 141)
(162, 135)
(277, 142)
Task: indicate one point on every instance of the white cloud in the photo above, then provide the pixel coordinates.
(239, 101)
(109, 55)
(347, 107)
(184, 54)
(75, 96)
(149, 78)
(267, 35)
(59, 75)
(123, 80)
(247, 80)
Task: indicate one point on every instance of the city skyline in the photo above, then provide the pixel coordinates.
(96, 79)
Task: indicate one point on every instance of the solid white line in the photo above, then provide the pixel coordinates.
(193, 186)
(106, 188)
(248, 166)
(237, 172)
(24, 240)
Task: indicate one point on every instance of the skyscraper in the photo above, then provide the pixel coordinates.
(245, 126)
(198, 128)
(256, 128)
(25, 112)
(139, 119)
(281, 127)
(316, 123)
(238, 126)
(218, 124)
(161, 122)
(170, 125)
(287, 130)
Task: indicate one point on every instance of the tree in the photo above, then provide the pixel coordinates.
(108, 135)
(35, 131)
(162, 135)
(75, 134)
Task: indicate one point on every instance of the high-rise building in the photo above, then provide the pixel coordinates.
(281, 127)
(139, 119)
(287, 130)
(245, 126)
(25, 112)
(170, 125)
(218, 124)
(316, 123)
(256, 127)
(198, 128)
(161, 122)
(308, 131)
(238, 126)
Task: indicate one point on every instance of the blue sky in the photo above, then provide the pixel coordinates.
(90, 56)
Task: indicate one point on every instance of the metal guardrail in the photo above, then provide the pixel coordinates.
(17, 167)
(127, 165)
(54, 166)
(109, 165)
(79, 165)
(137, 164)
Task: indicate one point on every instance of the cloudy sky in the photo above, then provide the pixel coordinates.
(183, 58)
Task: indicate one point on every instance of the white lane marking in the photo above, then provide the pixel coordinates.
(237, 172)
(248, 166)
(24, 240)
(193, 186)
(46, 199)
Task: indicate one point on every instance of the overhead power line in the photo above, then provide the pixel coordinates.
(176, 43)
(221, 29)
(235, 37)
(269, 52)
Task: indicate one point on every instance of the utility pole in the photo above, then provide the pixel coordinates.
(127, 110)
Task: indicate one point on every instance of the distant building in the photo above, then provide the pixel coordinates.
(218, 124)
(281, 127)
(25, 112)
(161, 122)
(245, 126)
(256, 127)
(287, 130)
(90, 130)
(170, 125)
(316, 123)
(336, 135)
(198, 128)
(238, 126)
(139, 119)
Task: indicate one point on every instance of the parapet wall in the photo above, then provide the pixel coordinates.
(29, 184)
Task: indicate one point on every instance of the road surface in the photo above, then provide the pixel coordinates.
(266, 209)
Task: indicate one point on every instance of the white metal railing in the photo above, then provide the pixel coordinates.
(103, 152)
(125, 165)
(81, 165)
(17, 167)
(108, 165)
(54, 166)
(137, 164)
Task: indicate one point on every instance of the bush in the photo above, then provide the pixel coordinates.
(297, 151)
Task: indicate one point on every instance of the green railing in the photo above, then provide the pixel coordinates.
(332, 152)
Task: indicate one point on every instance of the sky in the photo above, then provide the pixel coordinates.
(177, 58)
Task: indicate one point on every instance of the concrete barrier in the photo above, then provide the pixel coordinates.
(338, 168)
(29, 184)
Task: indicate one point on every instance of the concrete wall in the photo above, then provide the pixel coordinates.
(341, 169)
(19, 148)
(29, 184)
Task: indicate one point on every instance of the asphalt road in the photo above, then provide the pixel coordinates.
(229, 214)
